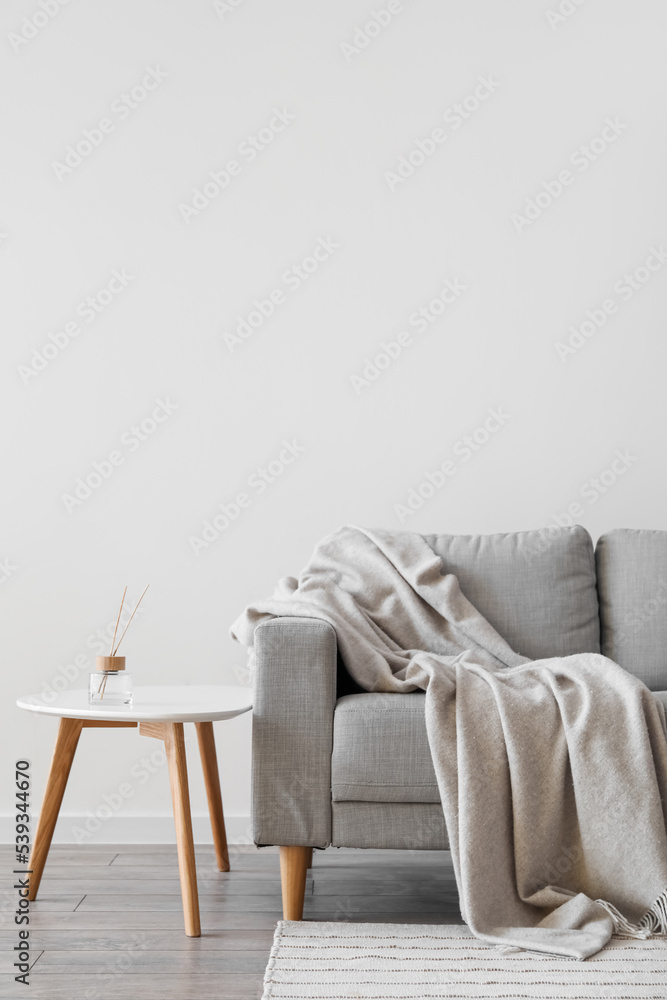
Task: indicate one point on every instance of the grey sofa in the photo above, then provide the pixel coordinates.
(333, 765)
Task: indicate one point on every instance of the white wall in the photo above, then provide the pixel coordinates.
(551, 87)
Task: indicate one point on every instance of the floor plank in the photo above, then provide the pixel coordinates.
(138, 960)
(437, 886)
(165, 887)
(116, 985)
(231, 904)
(137, 920)
(252, 904)
(107, 939)
(205, 872)
(242, 861)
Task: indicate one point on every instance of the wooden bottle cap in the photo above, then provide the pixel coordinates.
(110, 663)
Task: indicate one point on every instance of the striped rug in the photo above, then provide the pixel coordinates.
(342, 961)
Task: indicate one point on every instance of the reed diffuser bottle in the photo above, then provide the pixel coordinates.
(111, 685)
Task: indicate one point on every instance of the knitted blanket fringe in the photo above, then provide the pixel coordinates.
(652, 924)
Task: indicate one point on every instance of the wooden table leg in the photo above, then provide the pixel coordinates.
(63, 755)
(209, 762)
(174, 744)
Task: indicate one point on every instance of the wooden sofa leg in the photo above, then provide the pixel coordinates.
(293, 867)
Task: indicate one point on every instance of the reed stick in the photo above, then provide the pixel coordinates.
(114, 651)
(118, 620)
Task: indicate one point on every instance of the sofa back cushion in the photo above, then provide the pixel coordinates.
(632, 585)
(537, 588)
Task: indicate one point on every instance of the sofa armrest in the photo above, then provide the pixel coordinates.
(292, 732)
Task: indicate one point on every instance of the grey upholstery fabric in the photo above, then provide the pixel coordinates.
(632, 584)
(295, 694)
(381, 751)
(414, 826)
(537, 588)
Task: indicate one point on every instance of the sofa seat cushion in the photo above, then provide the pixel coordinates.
(381, 751)
(406, 826)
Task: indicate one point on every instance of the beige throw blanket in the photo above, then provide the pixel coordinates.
(552, 773)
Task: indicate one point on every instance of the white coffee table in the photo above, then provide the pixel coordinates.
(159, 712)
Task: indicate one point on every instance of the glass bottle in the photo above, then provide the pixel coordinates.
(110, 685)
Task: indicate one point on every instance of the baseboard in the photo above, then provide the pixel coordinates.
(89, 829)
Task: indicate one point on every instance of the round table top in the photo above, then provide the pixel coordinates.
(169, 703)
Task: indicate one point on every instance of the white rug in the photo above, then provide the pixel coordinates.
(341, 961)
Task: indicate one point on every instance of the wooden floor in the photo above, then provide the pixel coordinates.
(108, 922)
